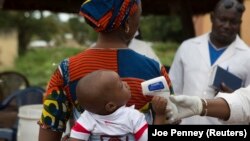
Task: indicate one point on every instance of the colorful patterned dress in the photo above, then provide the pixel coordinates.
(60, 98)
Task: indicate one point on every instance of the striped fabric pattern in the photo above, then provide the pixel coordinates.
(107, 15)
(131, 66)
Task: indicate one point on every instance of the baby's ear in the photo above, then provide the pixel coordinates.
(110, 107)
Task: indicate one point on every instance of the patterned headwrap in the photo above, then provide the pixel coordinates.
(108, 15)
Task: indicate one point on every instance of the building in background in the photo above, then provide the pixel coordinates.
(202, 24)
(8, 49)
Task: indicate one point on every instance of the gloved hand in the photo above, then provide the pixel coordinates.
(182, 106)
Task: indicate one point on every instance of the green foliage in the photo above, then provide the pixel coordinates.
(78, 29)
(48, 27)
(161, 28)
(38, 64)
(28, 25)
(165, 51)
(5, 21)
(82, 32)
(33, 25)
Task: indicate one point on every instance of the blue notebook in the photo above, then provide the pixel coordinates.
(221, 75)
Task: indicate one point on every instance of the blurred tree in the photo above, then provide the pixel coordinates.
(161, 28)
(27, 25)
(81, 31)
(49, 27)
(34, 24)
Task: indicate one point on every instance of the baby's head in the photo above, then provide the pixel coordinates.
(102, 92)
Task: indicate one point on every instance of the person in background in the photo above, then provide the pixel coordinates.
(138, 45)
(104, 95)
(116, 22)
(229, 108)
(196, 58)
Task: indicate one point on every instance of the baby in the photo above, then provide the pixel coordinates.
(104, 95)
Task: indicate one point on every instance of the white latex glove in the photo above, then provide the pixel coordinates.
(182, 106)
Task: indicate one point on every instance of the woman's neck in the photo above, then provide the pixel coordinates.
(110, 44)
(110, 40)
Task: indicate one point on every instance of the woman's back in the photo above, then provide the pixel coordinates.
(131, 67)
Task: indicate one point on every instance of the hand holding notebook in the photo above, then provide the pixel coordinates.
(220, 75)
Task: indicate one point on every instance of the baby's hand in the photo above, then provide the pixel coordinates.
(159, 105)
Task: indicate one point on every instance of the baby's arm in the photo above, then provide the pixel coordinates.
(159, 106)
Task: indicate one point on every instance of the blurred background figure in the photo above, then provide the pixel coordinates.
(145, 48)
(196, 58)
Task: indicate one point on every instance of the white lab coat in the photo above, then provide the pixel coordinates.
(191, 70)
(143, 48)
(239, 104)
